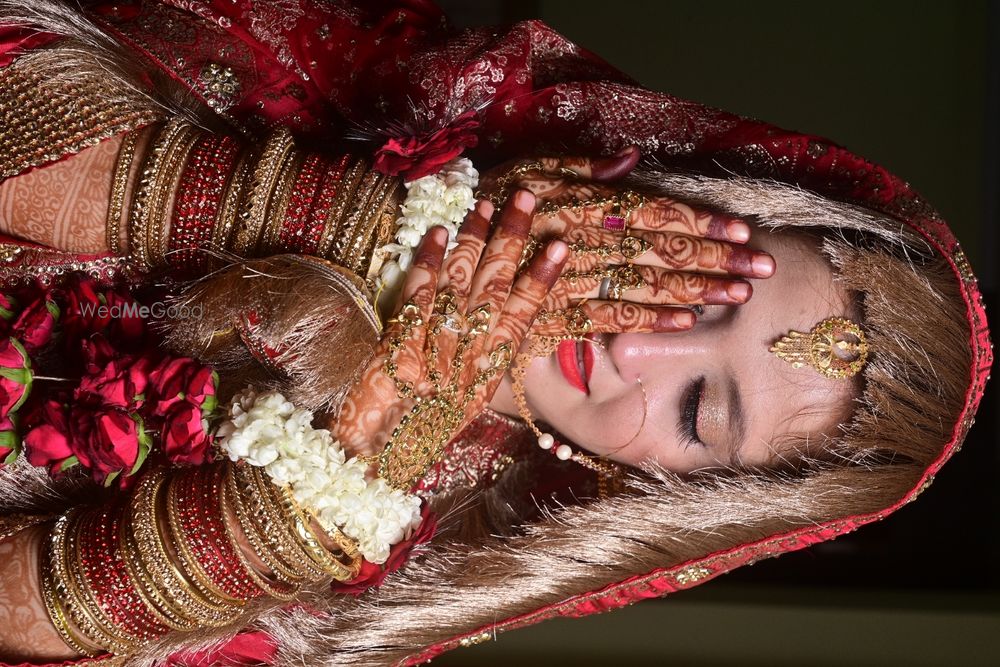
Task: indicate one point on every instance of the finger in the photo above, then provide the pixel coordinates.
(492, 281)
(527, 296)
(660, 214)
(460, 266)
(419, 289)
(598, 169)
(617, 317)
(664, 287)
(681, 252)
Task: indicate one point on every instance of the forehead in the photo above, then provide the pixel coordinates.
(782, 400)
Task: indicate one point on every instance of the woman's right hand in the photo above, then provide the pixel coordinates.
(457, 327)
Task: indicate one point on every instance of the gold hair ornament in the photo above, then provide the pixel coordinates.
(836, 348)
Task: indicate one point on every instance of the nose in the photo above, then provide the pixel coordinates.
(640, 354)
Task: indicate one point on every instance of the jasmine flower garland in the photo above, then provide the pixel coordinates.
(439, 199)
(268, 431)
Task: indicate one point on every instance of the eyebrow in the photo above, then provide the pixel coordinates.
(737, 419)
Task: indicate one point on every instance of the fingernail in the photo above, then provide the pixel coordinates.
(613, 168)
(524, 201)
(672, 320)
(738, 231)
(485, 208)
(557, 251)
(739, 292)
(763, 264)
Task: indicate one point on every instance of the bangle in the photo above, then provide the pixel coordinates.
(69, 594)
(119, 185)
(173, 587)
(199, 514)
(333, 229)
(143, 202)
(199, 199)
(175, 155)
(321, 207)
(225, 225)
(104, 580)
(184, 542)
(333, 563)
(279, 206)
(264, 544)
(255, 206)
(57, 614)
(282, 590)
(288, 549)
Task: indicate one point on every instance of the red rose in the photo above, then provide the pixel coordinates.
(10, 440)
(120, 383)
(48, 444)
(109, 442)
(127, 324)
(184, 437)
(177, 379)
(15, 376)
(35, 324)
(372, 575)
(415, 157)
(86, 311)
(98, 352)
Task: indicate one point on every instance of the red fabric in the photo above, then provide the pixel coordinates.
(387, 70)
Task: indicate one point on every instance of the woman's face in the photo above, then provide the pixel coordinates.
(714, 395)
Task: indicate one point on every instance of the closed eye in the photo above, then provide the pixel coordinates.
(687, 428)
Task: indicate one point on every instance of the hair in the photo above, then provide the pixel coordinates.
(487, 563)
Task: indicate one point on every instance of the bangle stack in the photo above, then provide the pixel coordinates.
(198, 190)
(116, 578)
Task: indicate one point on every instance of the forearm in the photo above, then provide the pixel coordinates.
(190, 548)
(187, 191)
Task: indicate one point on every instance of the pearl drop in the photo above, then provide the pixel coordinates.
(563, 452)
(545, 441)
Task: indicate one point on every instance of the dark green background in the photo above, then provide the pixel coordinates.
(913, 86)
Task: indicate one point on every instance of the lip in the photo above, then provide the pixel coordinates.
(576, 361)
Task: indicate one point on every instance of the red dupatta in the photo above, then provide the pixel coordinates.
(389, 70)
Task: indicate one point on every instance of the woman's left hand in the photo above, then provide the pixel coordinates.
(670, 256)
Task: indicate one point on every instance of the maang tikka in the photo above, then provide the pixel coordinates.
(835, 348)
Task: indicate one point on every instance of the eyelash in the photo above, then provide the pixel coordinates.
(689, 414)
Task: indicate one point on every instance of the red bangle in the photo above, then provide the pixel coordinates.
(314, 221)
(198, 200)
(199, 511)
(108, 579)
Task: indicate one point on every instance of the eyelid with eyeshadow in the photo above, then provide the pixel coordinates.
(687, 427)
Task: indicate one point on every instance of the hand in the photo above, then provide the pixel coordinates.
(671, 254)
(458, 326)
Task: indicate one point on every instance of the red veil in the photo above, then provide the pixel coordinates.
(381, 70)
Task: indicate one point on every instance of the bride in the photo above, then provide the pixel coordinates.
(270, 396)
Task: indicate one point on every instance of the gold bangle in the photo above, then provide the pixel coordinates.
(329, 561)
(333, 228)
(168, 174)
(288, 548)
(141, 213)
(279, 208)
(119, 185)
(255, 206)
(225, 223)
(169, 581)
(298, 523)
(265, 544)
(281, 591)
(202, 581)
(68, 592)
(46, 574)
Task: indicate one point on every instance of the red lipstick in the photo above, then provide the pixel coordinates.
(576, 361)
